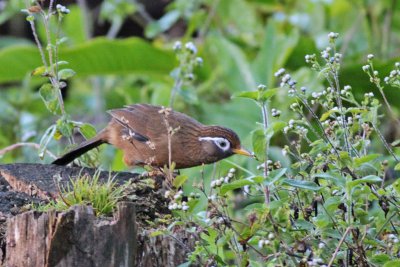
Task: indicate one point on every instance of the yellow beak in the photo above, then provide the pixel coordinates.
(243, 152)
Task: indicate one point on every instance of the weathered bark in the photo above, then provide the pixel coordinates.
(76, 237)
(72, 238)
(164, 250)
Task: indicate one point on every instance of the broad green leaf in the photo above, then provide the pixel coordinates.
(49, 97)
(268, 94)
(332, 203)
(366, 179)
(235, 185)
(65, 127)
(278, 125)
(247, 94)
(367, 158)
(380, 259)
(38, 71)
(87, 130)
(179, 180)
(393, 263)
(357, 110)
(234, 66)
(66, 74)
(302, 184)
(345, 159)
(327, 114)
(98, 56)
(259, 144)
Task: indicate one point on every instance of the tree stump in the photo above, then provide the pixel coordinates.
(76, 237)
(72, 238)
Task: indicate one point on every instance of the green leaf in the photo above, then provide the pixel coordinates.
(49, 97)
(327, 114)
(179, 180)
(278, 125)
(302, 184)
(380, 259)
(259, 144)
(247, 94)
(98, 56)
(38, 71)
(366, 179)
(164, 23)
(232, 61)
(367, 158)
(345, 159)
(275, 175)
(235, 185)
(397, 167)
(46, 138)
(65, 127)
(268, 94)
(87, 130)
(65, 74)
(156, 233)
(393, 263)
(275, 51)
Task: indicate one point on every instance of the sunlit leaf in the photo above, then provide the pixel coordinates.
(235, 185)
(179, 180)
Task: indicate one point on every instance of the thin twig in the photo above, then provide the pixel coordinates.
(339, 245)
(22, 144)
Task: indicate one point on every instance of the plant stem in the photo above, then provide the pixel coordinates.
(265, 123)
(339, 245)
(177, 87)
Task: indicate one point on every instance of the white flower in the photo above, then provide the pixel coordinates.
(191, 47)
(370, 56)
(333, 35)
(365, 68)
(177, 46)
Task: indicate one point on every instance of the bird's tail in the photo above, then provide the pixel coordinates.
(81, 149)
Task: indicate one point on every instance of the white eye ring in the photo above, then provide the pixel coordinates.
(221, 142)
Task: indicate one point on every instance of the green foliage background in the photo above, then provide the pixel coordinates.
(242, 43)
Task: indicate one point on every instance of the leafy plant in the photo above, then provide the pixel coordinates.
(331, 206)
(86, 190)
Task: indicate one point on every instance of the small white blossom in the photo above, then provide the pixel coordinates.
(271, 236)
(365, 68)
(333, 35)
(191, 47)
(177, 46)
(280, 72)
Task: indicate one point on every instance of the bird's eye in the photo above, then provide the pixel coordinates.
(220, 142)
(223, 144)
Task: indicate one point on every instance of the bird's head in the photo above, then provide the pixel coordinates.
(220, 142)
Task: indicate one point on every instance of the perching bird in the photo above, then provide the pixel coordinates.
(142, 131)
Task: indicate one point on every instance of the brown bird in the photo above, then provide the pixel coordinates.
(142, 131)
